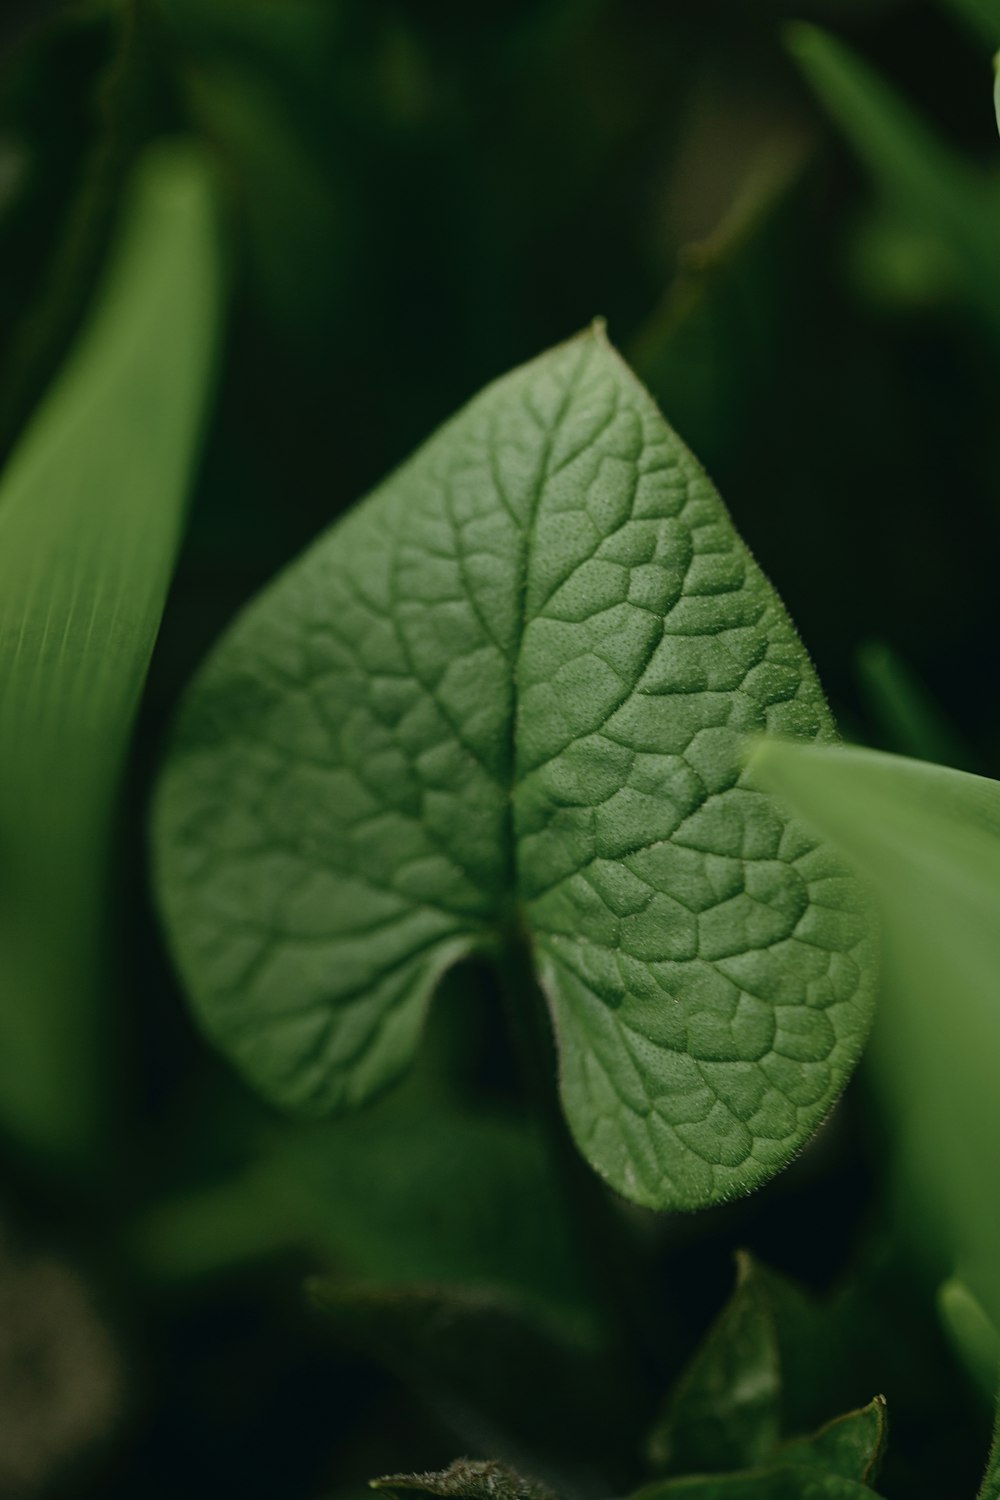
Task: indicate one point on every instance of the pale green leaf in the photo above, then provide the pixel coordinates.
(973, 1334)
(91, 512)
(928, 840)
(503, 702)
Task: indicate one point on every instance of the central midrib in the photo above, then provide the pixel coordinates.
(515, 919)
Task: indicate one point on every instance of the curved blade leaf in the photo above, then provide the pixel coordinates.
(928, 840)
(504, 700)
(91, 514)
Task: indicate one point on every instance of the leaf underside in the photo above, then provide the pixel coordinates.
(507, 694)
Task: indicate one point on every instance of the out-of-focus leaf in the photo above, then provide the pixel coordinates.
(710, 346)
(112, 46)
(791, 1482)
(981, 16)
(296, 226)
(924, 179)
(972, 1333)
(91, 512)
(725, 1411)
(464, 1197)
(501, 1379)
(467, 1479)
(910, 720)
(928, 841)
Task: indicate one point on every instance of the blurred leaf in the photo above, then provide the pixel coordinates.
(471, 719)
(466, 1196)
(296, 223)
(908, 717)
(709, 351)
(926, 181)
(91, 513)
(928, 841)
(981, 16)
(724, 1413)
(501, 1379)
(467, 1479)
(972, 1333)
(111, 47)
(793, 1482)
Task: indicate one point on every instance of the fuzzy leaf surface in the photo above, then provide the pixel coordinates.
(467, 1479)
(507, 694)
(990, 1488)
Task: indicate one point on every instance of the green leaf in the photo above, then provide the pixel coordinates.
(982, 17)
(725, 1411)
(851, 1446)
(835, 1463)
(791, 1482)
(929, 184)
(910, 721)
(928, 841)
(503, 703)
(503, 1381)
(990, 1487)
(709, 352)
(467, 1479)
(468, 1197)
(91, 513)
(973, 1335)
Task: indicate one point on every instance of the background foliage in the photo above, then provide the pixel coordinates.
(795, 240)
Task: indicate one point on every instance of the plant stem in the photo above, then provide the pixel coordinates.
(613, 1260)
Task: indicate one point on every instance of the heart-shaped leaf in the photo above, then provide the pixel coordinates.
(503, 702)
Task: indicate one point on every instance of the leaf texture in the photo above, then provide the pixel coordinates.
(504, 700)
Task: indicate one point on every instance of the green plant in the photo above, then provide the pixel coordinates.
(500, 709)
(503, 845)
